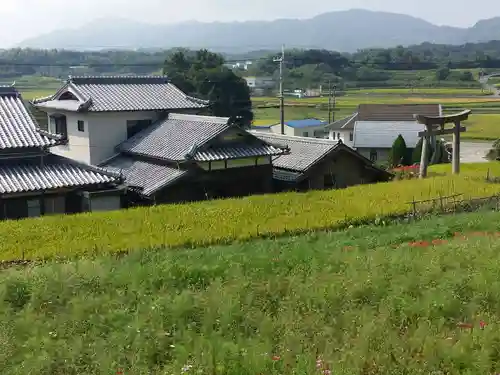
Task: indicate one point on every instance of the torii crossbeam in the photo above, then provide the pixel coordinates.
(435, 125)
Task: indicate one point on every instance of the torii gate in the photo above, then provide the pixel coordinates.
(435, 126)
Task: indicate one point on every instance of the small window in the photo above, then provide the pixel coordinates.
(350, 137)
(81, 126)
(305, 134)
(373, 155)
(333, 135)
(135, 126)
(338, 135)
(34, 209)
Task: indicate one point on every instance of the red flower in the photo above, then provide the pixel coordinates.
(276, 358)
(482, 324)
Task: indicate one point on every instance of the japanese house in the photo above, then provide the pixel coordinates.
(34, 181)
(319, 164)
(374, 127)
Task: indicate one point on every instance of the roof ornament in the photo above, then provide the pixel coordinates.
(13, 84)
(340, 141)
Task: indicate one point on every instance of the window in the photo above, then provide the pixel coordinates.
(81, 126)
(333, 135)
(135, 126)
(305, 134)
(318, 134)
(338, 135)
(34, 209)
(351, 137)
(58, 125)
(373, 155)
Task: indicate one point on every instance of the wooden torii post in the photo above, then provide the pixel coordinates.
(435, 125)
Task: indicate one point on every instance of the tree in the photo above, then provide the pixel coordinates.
(442, 73)
(417, 152)
(398, 153)
(204, 75)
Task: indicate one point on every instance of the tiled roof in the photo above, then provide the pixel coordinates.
(124, 93)
(374, 135)
(305, 123)
(56, 172)
(396, 112)
(149, 177)
(174, 138)
(304, 152)
(17, 127)
(347, 123)
(227, 153)
(284, 175)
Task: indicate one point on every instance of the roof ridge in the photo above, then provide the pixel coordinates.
(296, 138)
(118, 79)
(198, 118)
(9, 91)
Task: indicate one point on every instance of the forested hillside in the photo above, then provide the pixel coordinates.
(424, 64)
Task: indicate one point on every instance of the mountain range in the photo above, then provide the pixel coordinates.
(345, 31)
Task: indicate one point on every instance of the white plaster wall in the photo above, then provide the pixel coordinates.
(78, 142)
(109, 129)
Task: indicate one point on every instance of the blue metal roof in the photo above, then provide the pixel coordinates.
(305, 123)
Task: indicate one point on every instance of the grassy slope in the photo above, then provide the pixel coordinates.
(350, 298)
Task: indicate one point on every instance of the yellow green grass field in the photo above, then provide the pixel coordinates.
(423, 91)
(224, 221)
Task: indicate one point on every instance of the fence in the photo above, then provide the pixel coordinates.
(451, 204)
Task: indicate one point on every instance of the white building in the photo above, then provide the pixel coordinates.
(374, 127)
(95, 114)
(313, 128)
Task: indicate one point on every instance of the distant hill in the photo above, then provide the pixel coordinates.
(345, 31)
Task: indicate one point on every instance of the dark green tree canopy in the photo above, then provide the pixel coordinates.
(204, 75)
(398, 153)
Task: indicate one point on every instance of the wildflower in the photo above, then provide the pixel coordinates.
(276, 358)
(327, 372)
(465, 325)
(482, 324)
(119, 371)
(319, 363)
(186, 368)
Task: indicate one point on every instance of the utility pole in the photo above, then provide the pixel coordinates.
(334, 102)
(281, 61)
(329, 101)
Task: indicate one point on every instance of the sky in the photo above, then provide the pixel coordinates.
(22, 19)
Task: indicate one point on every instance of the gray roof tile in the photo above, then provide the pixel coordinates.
(226, 153)
(172, 139)
(287, 176)
(373, 134)
(149, 177)
(57, 172)
(124, 93)
(396, 112)
(304, 152)
(347, 123)
(17, 127)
